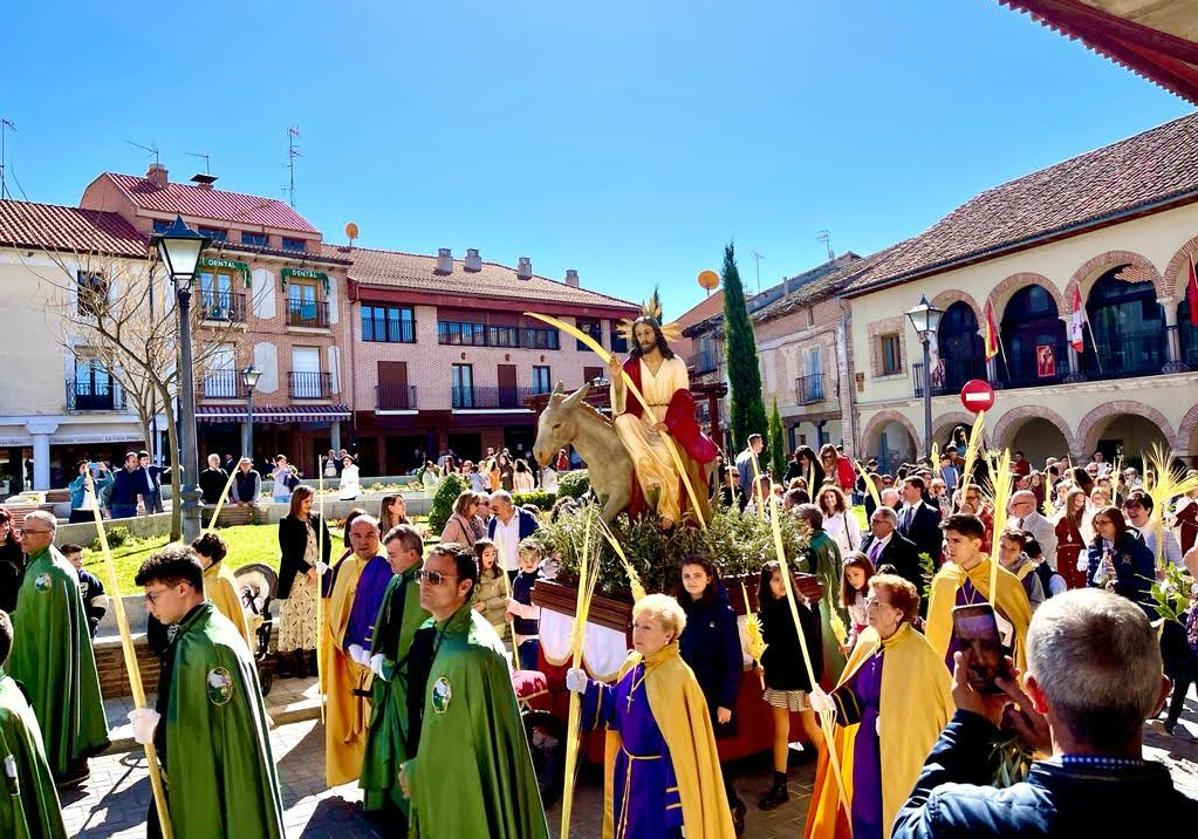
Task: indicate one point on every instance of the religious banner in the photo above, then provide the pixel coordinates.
(1046, 361)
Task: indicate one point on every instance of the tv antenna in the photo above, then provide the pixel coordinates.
(757, 257)
(292, 153)
(151, 149)
(5, 126)
(826, 237)
(205, 157)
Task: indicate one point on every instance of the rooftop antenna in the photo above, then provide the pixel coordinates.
(205, 157)
(826, 237)
(292, 153)
(757, 257)
(5, 125)
(151, 149)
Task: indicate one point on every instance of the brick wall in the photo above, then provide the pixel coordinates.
(110, 663)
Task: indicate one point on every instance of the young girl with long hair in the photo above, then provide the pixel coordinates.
(854, 591)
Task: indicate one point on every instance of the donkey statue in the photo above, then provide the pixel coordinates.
(569, 419)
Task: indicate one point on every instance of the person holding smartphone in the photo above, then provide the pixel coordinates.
(81, 504)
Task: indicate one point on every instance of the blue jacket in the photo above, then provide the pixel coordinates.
(710, 644)
(78, 490)
(126, 487)
(528, 524)
(951, 797)
(1135, 568)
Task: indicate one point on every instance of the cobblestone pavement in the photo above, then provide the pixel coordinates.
(113, 803)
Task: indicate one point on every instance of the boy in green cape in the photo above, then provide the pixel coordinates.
(52, 655)
(399, 618)
(29, 804)
(472, 774)
(209, 725)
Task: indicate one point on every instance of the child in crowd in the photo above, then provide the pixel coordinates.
(854, 589)
(491, 599)
(526, 617)
(95, 601)
(787, 686)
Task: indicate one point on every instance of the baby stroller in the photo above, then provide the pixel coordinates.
(256, 584)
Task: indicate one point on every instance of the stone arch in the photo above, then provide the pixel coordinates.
(1176, 270)
(1084, 276)
(1185, 431)
(1009, 423)
(879, 421)
(950, 296)
(943, 425)
(1086, 438)
(1002, 293)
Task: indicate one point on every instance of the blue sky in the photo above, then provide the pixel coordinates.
(629, 140)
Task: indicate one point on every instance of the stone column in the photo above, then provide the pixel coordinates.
(335, 436)
(41, 431)
(1173, 362)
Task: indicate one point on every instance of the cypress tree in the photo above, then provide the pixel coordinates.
(747, 409)
(777, 457)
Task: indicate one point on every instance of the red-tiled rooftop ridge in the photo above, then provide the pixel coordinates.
(57, 228)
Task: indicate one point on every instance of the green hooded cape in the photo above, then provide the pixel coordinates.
(824, 558)
(472, 775)
(52, 658)
(386, 751)
(29, 807)
(220, 772)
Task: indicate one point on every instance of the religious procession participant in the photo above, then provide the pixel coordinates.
(662, 767)
(209, 725)
(30, 806)
(401, 615)
(472, 774)
(662, 379)
(304, 549)
(220, 585)
(52, 655)
(892, 702)
(1015, 560)
(964, 580)
(823, 560)
(358, 590)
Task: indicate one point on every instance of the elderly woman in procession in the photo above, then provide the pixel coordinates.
(891, 703)
(661, 752)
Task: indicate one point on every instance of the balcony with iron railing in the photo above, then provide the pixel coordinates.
(309, 385)
(313, 314)
(227, 306)
(224, 384)
(98, 395)
(950, 376)
(809, 389)
(492, 398)
(395, 397)
(705, 361)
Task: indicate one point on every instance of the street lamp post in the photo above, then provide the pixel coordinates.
(925, 318)
(249, 377)
(179, 247)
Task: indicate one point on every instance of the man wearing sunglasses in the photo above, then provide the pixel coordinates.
(209, 724)
(464, 723)
(52, 655)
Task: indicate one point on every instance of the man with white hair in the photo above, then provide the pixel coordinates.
(1094, 676)
(1028, 519)
(52, 654)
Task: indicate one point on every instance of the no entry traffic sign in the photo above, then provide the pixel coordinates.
(977, 395)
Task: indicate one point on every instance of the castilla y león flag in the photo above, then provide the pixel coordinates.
(1076, 322)
(991, 332)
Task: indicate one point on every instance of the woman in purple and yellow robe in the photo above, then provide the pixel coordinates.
(891, 703)
(662, 770)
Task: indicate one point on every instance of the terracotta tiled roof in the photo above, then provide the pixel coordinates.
(1155, 167)
(216, 204)
(54, 227)
(822, 288)
(416, 272)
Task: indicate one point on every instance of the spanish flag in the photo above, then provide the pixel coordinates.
(991, 332)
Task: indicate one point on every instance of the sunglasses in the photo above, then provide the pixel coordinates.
(433, 578)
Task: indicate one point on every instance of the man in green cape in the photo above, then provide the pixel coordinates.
(52, 655)
(399, 618)
(472, 774)
(209, 725)
(29, 806)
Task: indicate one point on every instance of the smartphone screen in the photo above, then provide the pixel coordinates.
(976, 629)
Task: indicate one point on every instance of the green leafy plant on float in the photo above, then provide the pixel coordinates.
(448, 490)
(574, 484)
(737, 544)
(1171, 595)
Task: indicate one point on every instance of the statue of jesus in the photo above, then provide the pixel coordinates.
(662, 379)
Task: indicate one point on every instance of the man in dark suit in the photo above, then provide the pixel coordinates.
(918, 520)
(886, 546)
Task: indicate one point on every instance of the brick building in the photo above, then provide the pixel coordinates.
(443, 357)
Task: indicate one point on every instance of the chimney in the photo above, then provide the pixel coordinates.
(571, 278)
(156, 175)
(203, 181)
(444, 261)
(524, 269)
(473, 261)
